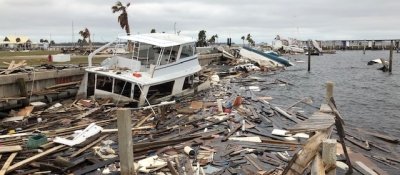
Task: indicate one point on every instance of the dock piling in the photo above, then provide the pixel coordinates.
(309, 56)
(22, 88)
(125, 141)
(329, 154)
(391, 57)
(329, 91)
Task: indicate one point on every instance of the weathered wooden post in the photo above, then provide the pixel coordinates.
(22, 89)
(329, 91)
(309, 56)
(125, 141)
(329, 154)
(391, 56)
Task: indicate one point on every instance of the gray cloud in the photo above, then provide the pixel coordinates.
(263, 19)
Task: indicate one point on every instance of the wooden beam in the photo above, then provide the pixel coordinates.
(63, 84)
(8, 163)
(232, 131)
(89, 146)
(317, 166)
(125, 141)
(144, 120)
(9, 149)
(33, 158)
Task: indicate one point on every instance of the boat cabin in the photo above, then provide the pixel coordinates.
(159, 65)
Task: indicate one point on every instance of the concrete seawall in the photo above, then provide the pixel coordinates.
(39, 79)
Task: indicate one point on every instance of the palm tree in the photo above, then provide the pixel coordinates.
(153, 31)
(212, 40)
(18, 40)
(216, 36)
(248, 38)
(85, 33)
(243, 39)
(123, 19)
(79, 42)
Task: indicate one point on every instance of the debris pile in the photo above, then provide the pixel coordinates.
(229, 129)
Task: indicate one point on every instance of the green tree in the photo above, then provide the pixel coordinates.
(123, 19)
(212, 40)
(41, 40)
(242, 38)
(45, 41)
(153, 31)
(216, 36)
(201, 41)
(248, 38)
(85, 33)
(18, 40)
(52, 43)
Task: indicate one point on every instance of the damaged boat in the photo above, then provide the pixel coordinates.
(262, 58)
(161, 65)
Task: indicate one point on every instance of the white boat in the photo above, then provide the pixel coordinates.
(264, 58)
(161, 64)
(293, 48)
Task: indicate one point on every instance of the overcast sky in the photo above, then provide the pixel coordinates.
(263, 19)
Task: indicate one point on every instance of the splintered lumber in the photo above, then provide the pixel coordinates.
(303, 158)
(232, 131)
(317, 122)
(88, 146)
(8, 163)
(171, 168)
(9, 149)
(142, 121)
(317, 166)
(63, 84)
(33, 158)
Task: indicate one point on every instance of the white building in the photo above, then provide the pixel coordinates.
(13, 42)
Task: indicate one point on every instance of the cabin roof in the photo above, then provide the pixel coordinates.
(160, 39)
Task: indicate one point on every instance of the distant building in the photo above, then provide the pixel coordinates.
(11, 42)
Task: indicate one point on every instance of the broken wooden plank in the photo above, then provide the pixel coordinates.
(8, 163)
(232, 131)
(317, 166)
(302, 159)
(9, 149)
(33, 158)
(171, 168)
(89, 146)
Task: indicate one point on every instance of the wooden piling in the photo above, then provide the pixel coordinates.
(364, 50)
(391, 57)
(329, 154)
(329, 91)
(309, 59)
(125, 141)
(22, 89)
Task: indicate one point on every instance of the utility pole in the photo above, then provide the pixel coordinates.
(175, 28)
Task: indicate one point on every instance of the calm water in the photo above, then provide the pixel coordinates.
(367, 98)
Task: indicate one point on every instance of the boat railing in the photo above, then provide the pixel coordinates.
(91, 55)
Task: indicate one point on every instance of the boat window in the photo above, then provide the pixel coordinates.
(187, 51)
(160, 90)
(122, 87)
(104, 83)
